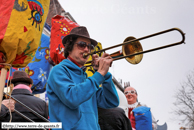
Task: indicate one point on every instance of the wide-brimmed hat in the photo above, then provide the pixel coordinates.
(20, 76)
(80, 31)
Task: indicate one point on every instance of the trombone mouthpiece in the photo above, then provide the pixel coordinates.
(85, 55)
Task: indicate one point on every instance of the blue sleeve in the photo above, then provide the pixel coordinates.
(107, 95)
(70, 93)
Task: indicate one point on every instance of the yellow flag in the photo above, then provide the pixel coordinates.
(90, 71)
(24, 30)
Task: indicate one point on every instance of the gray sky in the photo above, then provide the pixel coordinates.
(160, 73)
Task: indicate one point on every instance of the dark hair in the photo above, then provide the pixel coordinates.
(69, 46)
(15, 84)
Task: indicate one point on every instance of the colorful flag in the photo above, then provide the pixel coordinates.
(38, 69)
(61, 27)
(22, 22)
(90, 70)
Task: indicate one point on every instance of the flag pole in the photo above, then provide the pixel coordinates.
(2, 83)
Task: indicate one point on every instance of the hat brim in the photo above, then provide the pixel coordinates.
(26, 80)
(93, 42)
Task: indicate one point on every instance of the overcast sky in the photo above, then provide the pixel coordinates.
(160, 73)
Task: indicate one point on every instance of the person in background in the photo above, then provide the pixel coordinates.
(113, 119)
(22, 92)
(73, 97)
(131, 95)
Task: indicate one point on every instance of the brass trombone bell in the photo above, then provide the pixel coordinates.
(132, 50)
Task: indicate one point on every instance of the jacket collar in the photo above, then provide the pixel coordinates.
(21, 91)
(71, 59)
(82, 67)
(22, 86)
(133, 105)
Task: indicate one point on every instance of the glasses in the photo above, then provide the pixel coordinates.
(82, 45)
(131, 92)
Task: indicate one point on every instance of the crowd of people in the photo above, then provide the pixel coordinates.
(76, 100)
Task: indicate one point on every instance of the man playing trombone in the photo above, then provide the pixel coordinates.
(74, 97)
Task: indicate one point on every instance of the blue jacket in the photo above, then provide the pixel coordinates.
(74, 98)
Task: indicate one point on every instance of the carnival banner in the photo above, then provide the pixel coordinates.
(61, 26)
(90, 70)
(39, 68)
(22, 22)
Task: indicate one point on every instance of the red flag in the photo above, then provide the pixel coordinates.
(6, 9)
(61, 26)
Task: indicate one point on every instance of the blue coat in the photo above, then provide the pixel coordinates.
(74, 98)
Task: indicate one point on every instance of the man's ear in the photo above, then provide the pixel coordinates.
(30, 85)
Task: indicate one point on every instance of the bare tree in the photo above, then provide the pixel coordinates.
(184, 104)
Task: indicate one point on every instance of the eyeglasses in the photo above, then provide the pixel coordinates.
(131, 91)
(82, 45)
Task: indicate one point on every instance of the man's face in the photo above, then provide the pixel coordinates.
(77, 52)
(131, 98)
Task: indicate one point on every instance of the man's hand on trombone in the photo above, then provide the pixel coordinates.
(102, 64)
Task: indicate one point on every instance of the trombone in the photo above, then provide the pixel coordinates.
(132, 50)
